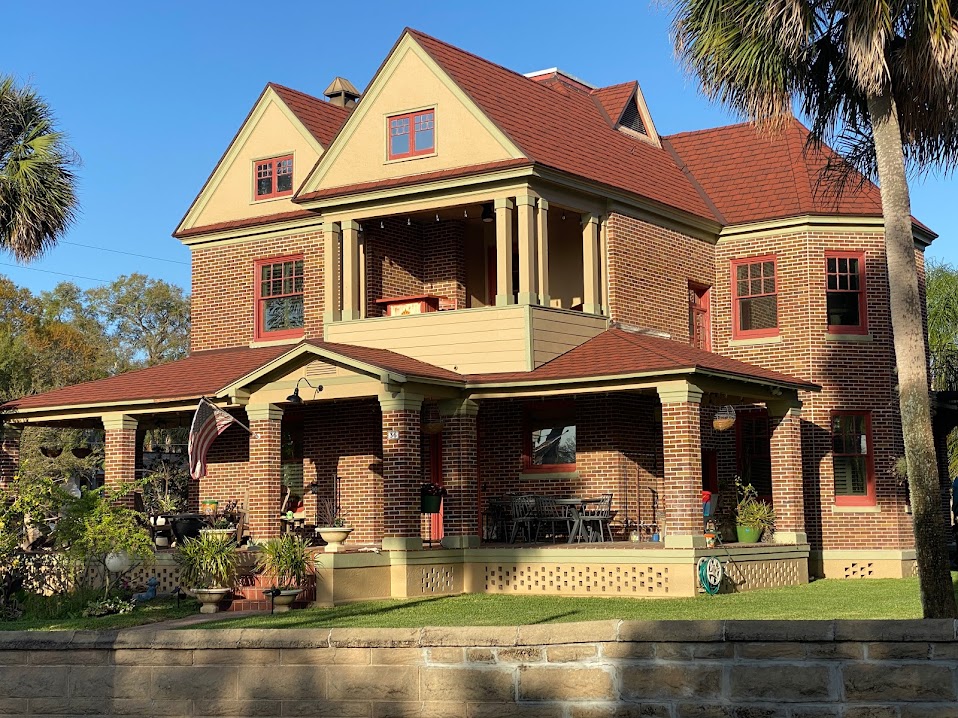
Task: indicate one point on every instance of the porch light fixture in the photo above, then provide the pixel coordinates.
(295, 398)
(487, 213)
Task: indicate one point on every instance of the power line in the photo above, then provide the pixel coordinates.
(50, 271)
(120, 251)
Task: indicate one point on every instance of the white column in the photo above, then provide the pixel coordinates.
(591, 302)
(331, 271)
(525, 205)
(350, 269)
(542, 251)
(504, 288)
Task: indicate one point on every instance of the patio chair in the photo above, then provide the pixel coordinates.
(598, 517)
(494, 518)
(554, 516)
(523, 517)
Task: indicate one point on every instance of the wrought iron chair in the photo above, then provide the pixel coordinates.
(554, 516)
(597, 519)
(523, 518)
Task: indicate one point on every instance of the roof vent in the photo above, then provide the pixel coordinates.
(631, 119)
(342, 92)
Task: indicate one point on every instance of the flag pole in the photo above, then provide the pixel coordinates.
(235, 420)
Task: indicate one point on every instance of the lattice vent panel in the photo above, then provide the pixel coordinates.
(748, 575)
(438, 579)
(597, 579)
(168, 574)
(859, 569)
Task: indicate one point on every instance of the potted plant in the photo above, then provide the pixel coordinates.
(208, 568)
(430, 498)
(332, 525)
(752, 516)
(286, 560)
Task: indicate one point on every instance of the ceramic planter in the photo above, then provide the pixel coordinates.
(748, 534)
(334, 536)
(284, 601)
(210, 598)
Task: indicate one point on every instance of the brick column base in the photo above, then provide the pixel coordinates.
(120, 452)
(9, 453)
(785, 440)
(265, 470)
(682, 450)
(402, 471)
(460, 473)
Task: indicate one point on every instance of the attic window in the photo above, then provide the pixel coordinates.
(412, 134)
(631, 119)
(273, 177)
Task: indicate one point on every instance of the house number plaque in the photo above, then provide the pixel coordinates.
(392, 434)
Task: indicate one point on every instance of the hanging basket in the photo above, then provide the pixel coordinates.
(724, 419)
(51, 452)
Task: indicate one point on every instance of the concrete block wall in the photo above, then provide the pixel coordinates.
(667, 669)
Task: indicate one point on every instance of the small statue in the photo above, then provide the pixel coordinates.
(150, 592)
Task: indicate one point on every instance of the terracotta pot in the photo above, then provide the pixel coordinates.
(210, 598)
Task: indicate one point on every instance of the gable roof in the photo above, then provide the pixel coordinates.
(617, 352)
(323, 119)
(752, 176)
(565, 131)
(614, 98)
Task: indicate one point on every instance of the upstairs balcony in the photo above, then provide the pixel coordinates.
(499, 285)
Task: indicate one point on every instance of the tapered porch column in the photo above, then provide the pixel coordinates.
(351, 284)
(331, 271)
(9, 453)
(402, 470)
(682, 448)
(504, 288)
(460, 472)
(542, 251)
(526, 207)
(788, 495)
(265, 469)
(119, 452)
(591, 291)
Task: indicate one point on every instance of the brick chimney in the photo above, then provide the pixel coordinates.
(342, 92)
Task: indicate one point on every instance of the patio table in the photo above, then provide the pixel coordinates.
(577, 506)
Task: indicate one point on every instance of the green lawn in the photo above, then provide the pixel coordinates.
(151, 612)
(852, 599)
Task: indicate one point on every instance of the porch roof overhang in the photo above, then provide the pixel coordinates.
(616, 360)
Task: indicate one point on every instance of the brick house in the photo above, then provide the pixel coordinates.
(511, 283)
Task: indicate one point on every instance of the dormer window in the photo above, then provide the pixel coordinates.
(412, 134)
(274, 177)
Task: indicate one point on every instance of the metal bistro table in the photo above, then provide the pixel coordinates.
(577, 507)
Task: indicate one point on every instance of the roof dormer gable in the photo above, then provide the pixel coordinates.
(625, 107)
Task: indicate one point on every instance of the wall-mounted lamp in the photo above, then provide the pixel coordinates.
(488, 215)
(295, 398)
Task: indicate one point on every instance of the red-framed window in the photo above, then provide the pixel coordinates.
(845, 292)
(549, 437)
(279, 297)
(754, 297)
(853, 463)
(273, 177)
(755, 451)
(700, 320)
(411, 134)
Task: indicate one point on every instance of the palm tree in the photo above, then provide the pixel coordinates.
(880, 79)
(37, 194)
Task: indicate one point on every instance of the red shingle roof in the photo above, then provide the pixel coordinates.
(200, 374)
(322, 119)
(751, 176)
(389, 360)
(614, 97)
(618, 352)
(249, 222)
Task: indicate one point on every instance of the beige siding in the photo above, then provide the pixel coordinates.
(555, 332)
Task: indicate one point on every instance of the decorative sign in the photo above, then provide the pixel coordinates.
(392, 434)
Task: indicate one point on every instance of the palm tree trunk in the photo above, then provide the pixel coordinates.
(937, 592)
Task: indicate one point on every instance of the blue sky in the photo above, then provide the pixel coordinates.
(151, 93)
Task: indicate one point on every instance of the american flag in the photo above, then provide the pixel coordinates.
(209, 421)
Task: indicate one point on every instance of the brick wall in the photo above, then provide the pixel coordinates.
(854, 375)
(120, 457)
(444, 263)
(393, 261)
(227, 468)
(265, 477)
(649, 271)
(402, 473)
(774, 669)
(9, 453)
(223, 295)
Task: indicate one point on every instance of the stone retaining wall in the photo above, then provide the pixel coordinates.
(610, 669)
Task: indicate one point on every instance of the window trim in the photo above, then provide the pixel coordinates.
(737, 331)
(275, 193)
(704, 293)
(545, 409)
(862, 326)
(412, 153)
(869, 498)
(259, 334)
